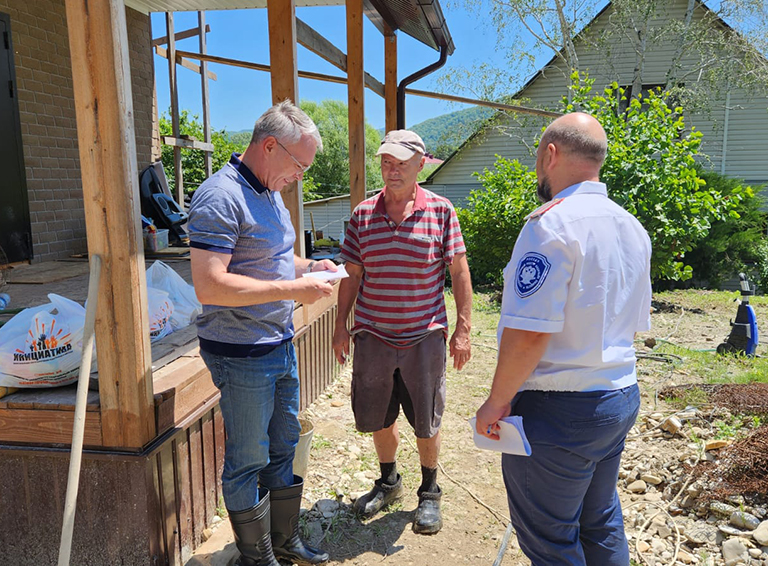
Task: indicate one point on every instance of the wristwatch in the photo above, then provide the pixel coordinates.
(310, 265)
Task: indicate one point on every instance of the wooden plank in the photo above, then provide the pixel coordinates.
(190, 144)
(175, 110)
(390, 81)
(209, 466)
(186, 63)
(165, 465)
(173, 410)
(356, 102)
(281, 15)
(58, 399)
(183, 496)
(192, 32)
(197, 484)
(33, 426)
(203, 45)
(103, 102)
(315, 310)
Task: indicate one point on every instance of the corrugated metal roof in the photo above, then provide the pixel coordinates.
(421, 19)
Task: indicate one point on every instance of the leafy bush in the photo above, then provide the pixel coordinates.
(193, 160)
(733, 244)
(494, 217)
(650, 170)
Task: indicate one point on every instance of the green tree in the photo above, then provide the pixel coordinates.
(192, 160)
(650, 170)
(329, 174)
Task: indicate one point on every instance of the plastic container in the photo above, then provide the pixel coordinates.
(155, 241)
(301, 457)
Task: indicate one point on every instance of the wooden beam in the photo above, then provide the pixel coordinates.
(320, 46)
(98, 43)
(203, 45)
(189, 144)
(489, 104)
(174, 87)
(179, 35)
(281, 15)
(356, 102)
(390, 80)
(163, 52)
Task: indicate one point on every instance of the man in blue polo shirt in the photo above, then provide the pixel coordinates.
(247, 278)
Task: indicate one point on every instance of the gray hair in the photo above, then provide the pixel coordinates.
(574, 140)
(287, 123)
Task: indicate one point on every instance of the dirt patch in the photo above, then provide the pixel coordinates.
(741, 469)
(743, 398)
(668, 307)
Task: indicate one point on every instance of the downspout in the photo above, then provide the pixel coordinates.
(725, 128)
(412, 79)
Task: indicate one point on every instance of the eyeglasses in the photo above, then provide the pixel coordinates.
(302, 168)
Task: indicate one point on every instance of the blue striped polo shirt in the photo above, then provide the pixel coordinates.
(233, 213)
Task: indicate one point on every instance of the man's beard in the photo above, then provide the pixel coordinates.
(544, 190)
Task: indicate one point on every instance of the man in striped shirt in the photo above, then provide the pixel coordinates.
(396, 249)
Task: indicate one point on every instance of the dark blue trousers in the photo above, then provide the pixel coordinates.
(562, 499)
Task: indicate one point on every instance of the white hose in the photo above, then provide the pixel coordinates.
(78, 429)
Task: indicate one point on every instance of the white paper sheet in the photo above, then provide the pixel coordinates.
(512, 439)
(341, 273)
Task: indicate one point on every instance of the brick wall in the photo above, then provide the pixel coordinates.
(48, 124)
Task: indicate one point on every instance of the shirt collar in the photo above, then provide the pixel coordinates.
(246, 173)
(583, 188)
(420, 203)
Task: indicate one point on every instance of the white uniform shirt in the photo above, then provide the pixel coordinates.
(580, 270)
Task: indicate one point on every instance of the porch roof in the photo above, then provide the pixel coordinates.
(421, 19)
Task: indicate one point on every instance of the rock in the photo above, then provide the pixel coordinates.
(650, 342)
(684, 557)
(734, 552)
(638, 486)
(643, 546)
(338, 403)
(671, 425)
(701, 533)
(658, 546)
(216, 520)
(651, 479)
(761, 534)
(722, 508)
(327, 507)
(759, 512)
(207, 533)
(730, 531)
(652, 497)
(695, 489)
(755, 552)
(664, 531)
(744, 520)
(715, 444)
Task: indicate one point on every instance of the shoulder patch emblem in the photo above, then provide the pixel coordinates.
(544, 208)
(531, 272)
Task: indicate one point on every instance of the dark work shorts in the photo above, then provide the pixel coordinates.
(385, 377)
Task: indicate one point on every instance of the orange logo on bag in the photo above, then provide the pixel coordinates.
(41, 345)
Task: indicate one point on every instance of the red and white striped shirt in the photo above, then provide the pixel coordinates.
(401, 294)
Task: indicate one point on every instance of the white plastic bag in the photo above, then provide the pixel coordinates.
(186, 307)
(41, 346)
(160, 314)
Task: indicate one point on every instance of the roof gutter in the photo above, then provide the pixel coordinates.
(412, 79)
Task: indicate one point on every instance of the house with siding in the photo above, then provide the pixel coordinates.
(734, 125)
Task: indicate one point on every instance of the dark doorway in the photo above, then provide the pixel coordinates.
(15, 231)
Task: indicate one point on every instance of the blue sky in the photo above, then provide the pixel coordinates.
(240, 95)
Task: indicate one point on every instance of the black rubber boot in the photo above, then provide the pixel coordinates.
(252, 533)
(379, 497)
(428, 519)
(286, 543)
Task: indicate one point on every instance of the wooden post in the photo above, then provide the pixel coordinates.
(285, 84)
(178, 174)
(390, 79)
(355, 94)
(206, 99)
(98, 43)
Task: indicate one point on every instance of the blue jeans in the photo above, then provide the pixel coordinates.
(562, 499)
(260, 406)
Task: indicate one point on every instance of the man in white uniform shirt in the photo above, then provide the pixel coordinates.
(575, 292)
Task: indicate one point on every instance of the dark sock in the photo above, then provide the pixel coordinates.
(388, 473)
(428, 480)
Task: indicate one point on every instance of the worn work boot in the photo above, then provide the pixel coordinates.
(382, 494)
(428, 519)
(286, 543)
(252, 533)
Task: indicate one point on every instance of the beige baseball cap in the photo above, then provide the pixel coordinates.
(402, 144)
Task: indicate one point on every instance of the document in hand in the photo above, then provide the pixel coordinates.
(341, 273)
(512, 439)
